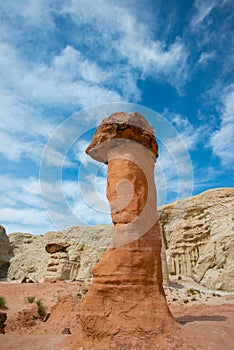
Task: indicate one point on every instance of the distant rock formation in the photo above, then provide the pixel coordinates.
(58, 267)
(198, 234)
(86, 245)
(199, 238)
(6, 253)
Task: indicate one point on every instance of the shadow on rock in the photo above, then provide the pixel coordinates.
(190, 318)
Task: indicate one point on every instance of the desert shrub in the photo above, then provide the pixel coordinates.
(2, 302)
(41, 309)
(30, 300)
(192, 291)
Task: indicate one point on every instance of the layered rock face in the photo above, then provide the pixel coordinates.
(6, 253)
(199, 235)
(87, 244)
(31, 259)
(58, 267)
(126, 299)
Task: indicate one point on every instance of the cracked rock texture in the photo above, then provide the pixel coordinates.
(198, 233)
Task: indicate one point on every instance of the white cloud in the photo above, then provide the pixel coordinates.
(66, 82)
(26, 86)
(222, 139)
(54, 158)
(26, 216)
(153, 59)
(203, 9)
(21, 206)
(77, 202)
(13, 149)
(25, 191)
(124, 36)
(17, 116)
(205, 57)
(173, 174)
(33, 13)
(22, 209)
(190, 135)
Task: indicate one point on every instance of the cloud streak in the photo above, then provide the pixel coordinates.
(222, 139)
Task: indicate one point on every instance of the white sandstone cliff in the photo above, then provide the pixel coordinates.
(198, 234)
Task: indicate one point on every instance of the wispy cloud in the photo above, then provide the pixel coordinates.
(190, 134)
(14, 149)
(203, 9)
(77, 202)
(131, 41)
(21, 208)
(222, 139)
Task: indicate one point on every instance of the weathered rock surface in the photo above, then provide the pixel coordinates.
(199, 236)
(58, 267)
(86, 245)
(126, 301)
(6, 253)
(56, 247)
(118, 127)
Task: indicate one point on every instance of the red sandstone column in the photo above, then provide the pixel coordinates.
(126, 299)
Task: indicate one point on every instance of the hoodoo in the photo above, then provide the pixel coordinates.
(126, 300)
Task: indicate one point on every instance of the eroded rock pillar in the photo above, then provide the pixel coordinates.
(126, 299)
(58, 267)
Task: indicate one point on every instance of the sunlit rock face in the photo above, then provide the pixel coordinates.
(58, 267)
(126, 300)
(199, 236)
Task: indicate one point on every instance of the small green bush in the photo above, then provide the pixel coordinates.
(30, 300)
(2, 302)
(41, 309)
(192, 291)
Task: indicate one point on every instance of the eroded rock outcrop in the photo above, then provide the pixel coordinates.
(199, 235)
(6, 253)
(126, 300)
(59, 267)
(87, 244)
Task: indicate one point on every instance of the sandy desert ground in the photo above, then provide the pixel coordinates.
(205, 318)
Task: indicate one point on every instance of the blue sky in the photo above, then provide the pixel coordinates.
(65, 65)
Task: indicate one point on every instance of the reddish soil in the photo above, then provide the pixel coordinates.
(205, 319)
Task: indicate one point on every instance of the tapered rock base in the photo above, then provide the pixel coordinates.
(126, 298)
